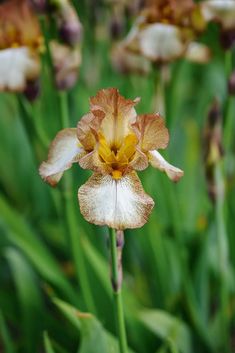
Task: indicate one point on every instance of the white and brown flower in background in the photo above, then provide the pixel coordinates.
(223, 13)
(113, 141)
(163, 31)
(20, 44)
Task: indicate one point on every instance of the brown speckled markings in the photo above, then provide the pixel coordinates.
(119, 204)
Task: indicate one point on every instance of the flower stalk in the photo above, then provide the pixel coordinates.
(229, 105)
(116, 246)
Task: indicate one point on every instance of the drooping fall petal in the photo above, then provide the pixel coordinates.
(120, 204)
(157, 161)
(161, 42)
(17, 65)
(64, 150)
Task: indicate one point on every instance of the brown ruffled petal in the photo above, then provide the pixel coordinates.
(119, 204)
(151, 130)
(93, 162)
(87, 130)
(139, 162)
(119, 113)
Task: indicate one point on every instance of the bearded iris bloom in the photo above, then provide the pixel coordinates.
(20, 43)
(221, 11)
(164, 32)
(113, 141)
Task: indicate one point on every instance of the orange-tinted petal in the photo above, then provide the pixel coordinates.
(119, 113)
(157, 161)
(19, 25)
(64, 150)
(139, 162)
(87, 130)
(93, 162)
(151, 130)
(119, 204)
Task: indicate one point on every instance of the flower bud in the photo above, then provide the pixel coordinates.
(70, 28)
(227, 38)
(116, 27)
(126, 62)
(40, 6)
(32, 90)
(213, 149)
(231, 84)
(66, 63)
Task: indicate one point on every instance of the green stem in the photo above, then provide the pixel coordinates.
(229, 105)
(117, 293)
(63, 101)
(71, 218)
(222, 254)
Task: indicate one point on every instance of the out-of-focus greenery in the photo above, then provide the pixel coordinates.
(179, 269)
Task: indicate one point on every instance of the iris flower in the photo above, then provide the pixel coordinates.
(113, 141)
(222, 11)
(20, 42)
(164, 31)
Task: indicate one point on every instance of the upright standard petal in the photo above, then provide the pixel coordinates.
(64, 150)
(119, 204)
(157, 161)
(19, 25)
(161, 42)
(17, 65)
(151, 130)
(119, 113)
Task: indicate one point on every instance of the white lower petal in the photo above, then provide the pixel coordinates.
(119, 204)
(221, 10)
(65, 149)
(157, 161)
(161, 42)
(17, 65)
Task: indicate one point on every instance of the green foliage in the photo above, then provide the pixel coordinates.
(179, 288)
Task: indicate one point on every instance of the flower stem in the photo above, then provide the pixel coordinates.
(229, 105)
(116, 267)
(222, 254)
